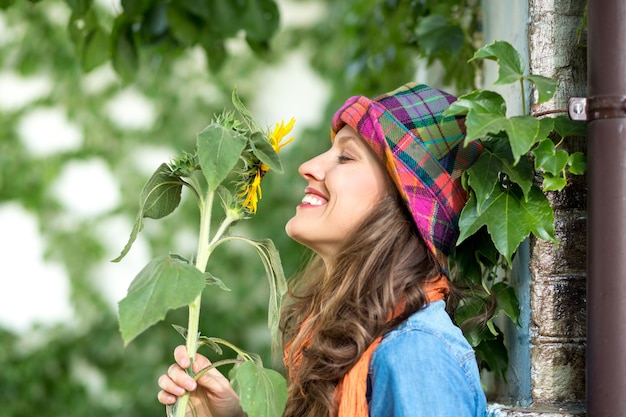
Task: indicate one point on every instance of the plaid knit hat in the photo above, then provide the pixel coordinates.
(423, 151)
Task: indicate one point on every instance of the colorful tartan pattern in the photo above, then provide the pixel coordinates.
(424, 153)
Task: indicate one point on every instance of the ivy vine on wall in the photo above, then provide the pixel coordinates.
(523, 159)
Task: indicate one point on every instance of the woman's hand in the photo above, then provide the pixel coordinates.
(212, 395)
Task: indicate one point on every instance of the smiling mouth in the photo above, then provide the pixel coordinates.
(312, 200)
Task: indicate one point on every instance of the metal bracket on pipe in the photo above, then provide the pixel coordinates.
(593, 108)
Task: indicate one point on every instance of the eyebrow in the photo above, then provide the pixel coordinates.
(347, 138)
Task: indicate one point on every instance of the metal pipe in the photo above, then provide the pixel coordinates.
(606, 270)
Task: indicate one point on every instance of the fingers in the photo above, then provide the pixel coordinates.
(181, 357)
(176, 382)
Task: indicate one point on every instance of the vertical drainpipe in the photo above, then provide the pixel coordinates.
(606, 287)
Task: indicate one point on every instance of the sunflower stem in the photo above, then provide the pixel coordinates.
(202, 258)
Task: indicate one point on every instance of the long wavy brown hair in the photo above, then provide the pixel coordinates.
(336, 311)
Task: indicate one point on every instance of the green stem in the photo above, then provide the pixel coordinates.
(202, 258)
(205, 248)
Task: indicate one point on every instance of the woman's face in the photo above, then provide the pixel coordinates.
(344, 183)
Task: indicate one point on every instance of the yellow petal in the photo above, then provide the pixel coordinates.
(280, 131)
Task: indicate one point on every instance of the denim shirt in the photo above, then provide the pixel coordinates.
(425, 367)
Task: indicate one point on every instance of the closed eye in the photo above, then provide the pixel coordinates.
(343, 158)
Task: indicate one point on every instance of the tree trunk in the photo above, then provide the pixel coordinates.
(558, 273)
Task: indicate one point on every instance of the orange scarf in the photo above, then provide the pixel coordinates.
(352, 390)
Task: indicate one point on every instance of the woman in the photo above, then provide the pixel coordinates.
(365, 327)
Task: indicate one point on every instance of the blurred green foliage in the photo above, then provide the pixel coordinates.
(364, 46)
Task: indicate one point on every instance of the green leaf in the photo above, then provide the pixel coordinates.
(184, 26)
(219, 150)
(520, 172)
(125, 57)
(540, 215)
(215, 49)
(466, 312)
(546, 87)
(473, 256)
(549, 159)
(479, 101)
(508, 219)
(553, 182)
(270, 257)
(483, 176)
(510, 68)
(507, 301)
(213, 280)
(436, 33)
(210, 342)
(94, 52)
(224, 18)
(493, 353)
(159, 197)
(577, 163)
(263, 392)
(135, 8)
(162, 285)
(565, 127)
(90, 40)
(484, 111)
(261, 19)
(245, 113)
(263, 150)
(79, 7)
(161, 194)
(524, 131)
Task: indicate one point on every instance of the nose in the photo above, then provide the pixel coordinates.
(313, 169)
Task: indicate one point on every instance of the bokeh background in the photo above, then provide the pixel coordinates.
(81, 132)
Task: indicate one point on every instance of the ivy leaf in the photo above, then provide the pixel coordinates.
(553, 182)
(483, 110)
(508, 219)
(159, 197)
(546, 87)
(493, 353)
(521, 173)
(577, 163)
(481, 176)
(162, 285)
(565, 127)
(263, 150)
(507, 300)
(473, 254)
(549, 159)
(469, 309)
(540, 215)
(509, 61)
(219, 149)
(500, 216)
(263, 392)
(524, 131)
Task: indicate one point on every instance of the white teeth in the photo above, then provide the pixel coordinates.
(312, 200)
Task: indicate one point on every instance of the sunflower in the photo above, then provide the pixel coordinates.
(252, 190)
